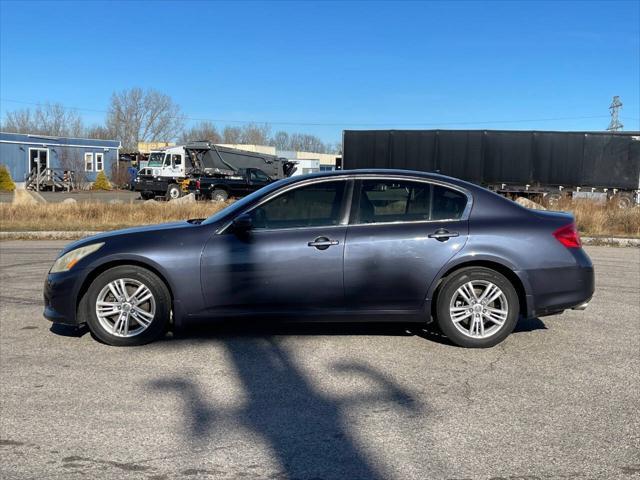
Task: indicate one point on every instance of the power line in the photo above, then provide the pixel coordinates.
(333, 124)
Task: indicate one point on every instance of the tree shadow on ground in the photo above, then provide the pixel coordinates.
(305, 428)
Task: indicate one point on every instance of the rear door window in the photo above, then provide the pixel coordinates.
(384, 201)
(448, 204)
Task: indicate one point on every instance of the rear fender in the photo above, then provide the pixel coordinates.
(471, 258)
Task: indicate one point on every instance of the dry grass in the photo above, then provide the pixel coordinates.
(98, 216)
(593, 219)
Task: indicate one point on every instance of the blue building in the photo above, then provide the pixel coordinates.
(25, 154)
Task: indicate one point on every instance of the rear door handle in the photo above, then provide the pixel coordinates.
(322, 243)
(443, 235)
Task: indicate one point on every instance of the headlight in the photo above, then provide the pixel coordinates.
(69, 259)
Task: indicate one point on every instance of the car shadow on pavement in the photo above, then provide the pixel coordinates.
(254, 327)
(69, 330)
(307, 430)
(529, 325)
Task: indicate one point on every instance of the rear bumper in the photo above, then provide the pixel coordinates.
(582, 306)
(557, 289)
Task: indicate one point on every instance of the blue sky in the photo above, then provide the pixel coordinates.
(339, 65)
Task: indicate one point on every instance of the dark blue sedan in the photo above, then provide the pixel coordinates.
(365, 244)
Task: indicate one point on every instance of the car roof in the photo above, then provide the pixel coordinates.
(388, 172)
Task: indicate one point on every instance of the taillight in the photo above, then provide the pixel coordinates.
(568, 236)
(197, 184)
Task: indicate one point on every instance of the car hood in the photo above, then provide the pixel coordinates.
(103, 237)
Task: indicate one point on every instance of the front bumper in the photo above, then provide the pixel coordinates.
(60, 293)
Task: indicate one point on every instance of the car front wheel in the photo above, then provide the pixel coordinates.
(126, 306)
(477, 307)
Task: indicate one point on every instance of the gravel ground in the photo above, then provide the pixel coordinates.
(558, 399)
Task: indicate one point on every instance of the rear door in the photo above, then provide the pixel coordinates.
(400, 235)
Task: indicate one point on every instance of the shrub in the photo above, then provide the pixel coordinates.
(6, 182)
(101, 183)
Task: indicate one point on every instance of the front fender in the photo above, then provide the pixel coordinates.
(103, 263)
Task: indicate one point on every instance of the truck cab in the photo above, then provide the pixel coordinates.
(162, 174)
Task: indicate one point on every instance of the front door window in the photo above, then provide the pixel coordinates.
(317, 205)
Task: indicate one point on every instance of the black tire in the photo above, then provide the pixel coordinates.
(161, 295)
(623, 201)
(147, 195)
(173, 191)
(449, 288)
(219, 195)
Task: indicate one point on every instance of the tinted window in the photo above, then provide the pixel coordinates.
(394, 201)
(259, 176)
(400, 201)
(311, 206)
(447, 204)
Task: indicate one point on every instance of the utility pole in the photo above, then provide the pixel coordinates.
(614, 108)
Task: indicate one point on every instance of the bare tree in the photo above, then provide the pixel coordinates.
(255, 134)
(307, 143)
(232, 135)
(281, 140)
(48, 119)
(203, 131)
(71, 160)
(99, 132)
(302, 141)
(136, 116)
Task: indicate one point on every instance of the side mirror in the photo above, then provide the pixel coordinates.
(242, 223)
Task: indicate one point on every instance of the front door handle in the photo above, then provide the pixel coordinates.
(443, 235)
(322, 243)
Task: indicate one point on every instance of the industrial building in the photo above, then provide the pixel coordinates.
(52, 161)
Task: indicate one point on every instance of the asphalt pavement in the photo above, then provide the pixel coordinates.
(559, 399)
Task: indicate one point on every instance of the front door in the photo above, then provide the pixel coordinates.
(291, 259)
(38, 157)
(397, 242)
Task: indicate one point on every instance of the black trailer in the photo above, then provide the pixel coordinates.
(603, 165)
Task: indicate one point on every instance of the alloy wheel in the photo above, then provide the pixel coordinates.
(125, 307)
(479, 309)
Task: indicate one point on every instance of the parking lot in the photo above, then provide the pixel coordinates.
(558, 399)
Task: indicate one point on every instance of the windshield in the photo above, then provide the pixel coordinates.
(155, 159)
(244, 202)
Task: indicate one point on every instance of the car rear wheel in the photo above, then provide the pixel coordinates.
(126, 306)
(477, 307)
